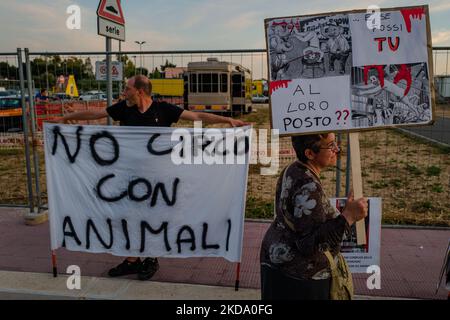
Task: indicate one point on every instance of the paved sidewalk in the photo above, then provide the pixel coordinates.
(37, 286)
(410, 264)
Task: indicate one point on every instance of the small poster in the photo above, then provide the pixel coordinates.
(360, 257)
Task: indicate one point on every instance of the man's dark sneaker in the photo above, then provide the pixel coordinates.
(126, 267)
(148, 268)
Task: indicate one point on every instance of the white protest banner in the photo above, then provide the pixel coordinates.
(118, 190)
(359, 257)
(361, 76)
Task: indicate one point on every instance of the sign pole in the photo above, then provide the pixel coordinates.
(55, 267)
(110, 24)
(357, 183)
(108, 76)
(120, 60)
(238, 273)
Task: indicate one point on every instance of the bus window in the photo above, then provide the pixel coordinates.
(193, 82)
(205, 82)
(215, 82)
(223, 82)
(237, 85)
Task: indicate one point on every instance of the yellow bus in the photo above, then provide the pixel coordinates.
(168, 87)
(218, 86)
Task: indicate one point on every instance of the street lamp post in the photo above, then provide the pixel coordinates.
(134, 65)
(140, 43)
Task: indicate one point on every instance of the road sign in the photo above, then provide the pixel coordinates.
(111, 29)
(111, 10)
(110, 20)
(100, 71)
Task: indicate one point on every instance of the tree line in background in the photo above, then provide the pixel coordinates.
(46, 70)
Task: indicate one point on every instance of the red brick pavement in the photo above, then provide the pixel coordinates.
(410, 259)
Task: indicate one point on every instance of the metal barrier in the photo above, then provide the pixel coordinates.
(15, 146)
(393, 162)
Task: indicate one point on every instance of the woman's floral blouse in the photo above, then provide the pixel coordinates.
(302, 204)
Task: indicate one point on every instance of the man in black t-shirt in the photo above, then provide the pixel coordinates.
(138, 109)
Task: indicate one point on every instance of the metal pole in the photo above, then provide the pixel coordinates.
(46, 73)
(338, 168)
(446, 66)
(140, 63)
(108, 75)
(25, 130)
(348, 171)
(123, 68)
(33, 129)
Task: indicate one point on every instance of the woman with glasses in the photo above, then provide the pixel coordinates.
(295, 252)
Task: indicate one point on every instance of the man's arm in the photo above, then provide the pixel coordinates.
(84, 115)
(211, 118)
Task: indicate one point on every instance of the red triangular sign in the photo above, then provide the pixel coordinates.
(111, 10)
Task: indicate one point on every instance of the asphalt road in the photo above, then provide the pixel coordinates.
(439, 131)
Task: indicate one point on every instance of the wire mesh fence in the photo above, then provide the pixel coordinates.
(13, 169)
(410, 172)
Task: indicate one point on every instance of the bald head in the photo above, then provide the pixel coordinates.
(142, 82)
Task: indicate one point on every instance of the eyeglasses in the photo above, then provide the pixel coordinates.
(333, 146)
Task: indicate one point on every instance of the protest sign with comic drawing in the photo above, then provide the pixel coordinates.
(360, 257)
(334, 72)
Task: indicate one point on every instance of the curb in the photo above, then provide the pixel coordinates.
(43, 286)
(39, 286)
(33, 219)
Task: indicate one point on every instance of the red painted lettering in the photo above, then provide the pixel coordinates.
(392, 46)
(404, 74)
(415, 13)
(380, 43)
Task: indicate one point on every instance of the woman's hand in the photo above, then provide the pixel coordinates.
(355, 210)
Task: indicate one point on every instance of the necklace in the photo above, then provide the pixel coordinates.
(311, 169)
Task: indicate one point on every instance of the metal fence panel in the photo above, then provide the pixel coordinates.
(408, 170)
(15, 181)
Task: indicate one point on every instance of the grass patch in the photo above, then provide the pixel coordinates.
(11, 152)
(422, 206)
(413, 169)
(396, 183)
(258, 209)
(443, 149)
(380, 185)
(433, 171)
(438, 188)
(400, 204)
(369, 143)
(260, 117)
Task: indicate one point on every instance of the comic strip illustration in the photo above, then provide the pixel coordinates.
(391, 94)
(309, 47)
